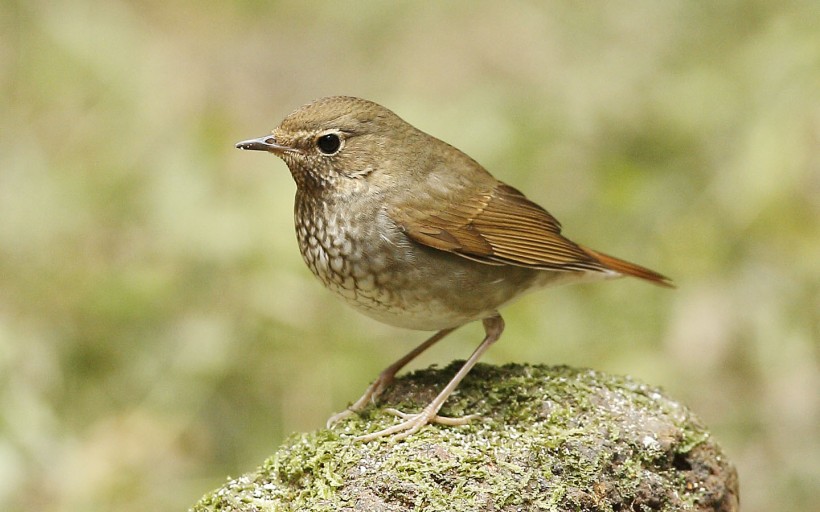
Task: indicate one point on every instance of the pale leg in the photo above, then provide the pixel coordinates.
(493, 326)
(386, 377)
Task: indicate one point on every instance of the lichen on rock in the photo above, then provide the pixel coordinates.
(550, 438)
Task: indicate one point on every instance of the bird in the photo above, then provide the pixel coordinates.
(414, 233)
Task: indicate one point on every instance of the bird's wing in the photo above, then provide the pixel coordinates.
(496, 226)
(501, 226)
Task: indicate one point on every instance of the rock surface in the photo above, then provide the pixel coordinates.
(550, 438)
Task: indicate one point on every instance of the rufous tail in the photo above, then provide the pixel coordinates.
(629, 269)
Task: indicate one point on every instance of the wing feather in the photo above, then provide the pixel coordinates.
(497, 226)
(500, 226)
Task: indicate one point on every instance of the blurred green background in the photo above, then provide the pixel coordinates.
(159, 331)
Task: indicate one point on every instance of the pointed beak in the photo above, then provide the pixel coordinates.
(266, 143)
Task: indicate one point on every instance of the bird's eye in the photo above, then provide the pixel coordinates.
(329, 144)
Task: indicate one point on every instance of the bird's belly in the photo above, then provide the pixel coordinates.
(398, 282)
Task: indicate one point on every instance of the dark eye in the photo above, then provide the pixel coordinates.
(329, 144)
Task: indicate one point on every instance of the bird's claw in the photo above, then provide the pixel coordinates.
(413, 422)
(371, 394)
(339, 416)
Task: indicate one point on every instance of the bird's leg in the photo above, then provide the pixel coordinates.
(493, 326)
(386, 377)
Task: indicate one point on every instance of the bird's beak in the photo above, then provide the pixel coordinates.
(266, 143)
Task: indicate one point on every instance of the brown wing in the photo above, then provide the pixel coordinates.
(502, 227)
(499, 226)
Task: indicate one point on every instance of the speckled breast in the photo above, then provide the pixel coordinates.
(341, 255)
(363, 257)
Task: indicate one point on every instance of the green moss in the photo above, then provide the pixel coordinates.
(550, 438)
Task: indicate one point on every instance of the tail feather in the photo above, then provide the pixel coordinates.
(630, 269)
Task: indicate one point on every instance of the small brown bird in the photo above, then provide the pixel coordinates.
(414, 233)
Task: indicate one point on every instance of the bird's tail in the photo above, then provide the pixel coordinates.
(629, 269)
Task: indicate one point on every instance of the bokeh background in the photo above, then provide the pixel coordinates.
(159, 331)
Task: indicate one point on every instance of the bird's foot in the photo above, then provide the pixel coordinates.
(414, 422)
(371, 394)
(339, 416)
(384, 379)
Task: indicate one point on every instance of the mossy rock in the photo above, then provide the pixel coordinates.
(550, 438)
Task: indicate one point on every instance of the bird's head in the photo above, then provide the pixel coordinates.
(340, 143)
